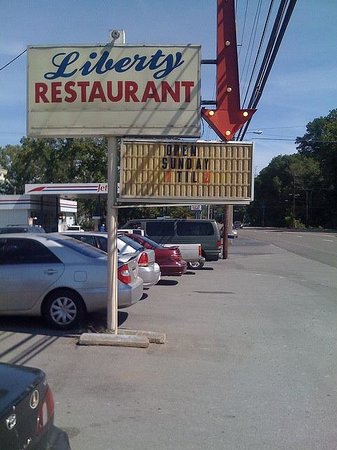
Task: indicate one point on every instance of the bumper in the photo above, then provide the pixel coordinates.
(150, 275)
(176, 269)
(211, 255)
(130, 294)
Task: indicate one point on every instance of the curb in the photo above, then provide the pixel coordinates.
(115, 340)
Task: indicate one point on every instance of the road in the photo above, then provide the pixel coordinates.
(250, 360)
(318, 246)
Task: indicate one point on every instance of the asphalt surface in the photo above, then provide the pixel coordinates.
(317, 245)
(250, 360)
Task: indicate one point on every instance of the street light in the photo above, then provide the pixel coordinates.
(255, 131)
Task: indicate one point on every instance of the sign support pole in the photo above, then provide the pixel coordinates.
(126, 338)
(112, 279)
(225, 232)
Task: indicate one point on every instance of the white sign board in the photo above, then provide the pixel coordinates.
(114, 90)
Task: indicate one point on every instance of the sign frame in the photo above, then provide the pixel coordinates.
(167, 197)
(125, 90)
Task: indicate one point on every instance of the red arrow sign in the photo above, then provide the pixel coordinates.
(227, 118)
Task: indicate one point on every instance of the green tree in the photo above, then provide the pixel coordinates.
(283, 191)
(306, 178)
(58, 161)
(320, 142)
(7, 154)
(271, 186)
(55, 161)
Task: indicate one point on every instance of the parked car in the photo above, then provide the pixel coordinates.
(191, 253)
(59, 278)
(168, 258)
(182, 231)
(22, 229)
(233, 234)
(148, 269)
(27, 411)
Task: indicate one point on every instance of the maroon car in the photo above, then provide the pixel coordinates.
(168, 258)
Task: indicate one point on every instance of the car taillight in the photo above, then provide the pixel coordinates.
(124, 274)
(218, 243)
(143, 260)
(46, 410)
(199, 248)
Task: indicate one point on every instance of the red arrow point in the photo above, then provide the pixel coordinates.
(228, 118)
(226, 123)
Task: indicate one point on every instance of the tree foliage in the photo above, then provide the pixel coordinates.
(293, 190)
(55, 161)
(301, 189)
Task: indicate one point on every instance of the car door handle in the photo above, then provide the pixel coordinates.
(50, 271)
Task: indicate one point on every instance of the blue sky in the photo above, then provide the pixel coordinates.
(301, 86)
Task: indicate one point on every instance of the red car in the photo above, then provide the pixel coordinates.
(168, 258)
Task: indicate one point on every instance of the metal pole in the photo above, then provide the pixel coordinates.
(225, 232)
(112, 220)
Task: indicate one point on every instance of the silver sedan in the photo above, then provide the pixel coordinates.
(59, 278)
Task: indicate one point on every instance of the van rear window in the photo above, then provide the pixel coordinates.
(160, 228)
(194, 229)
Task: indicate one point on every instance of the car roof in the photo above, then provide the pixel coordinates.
(140, 239)
(38, 236)
(55, 241)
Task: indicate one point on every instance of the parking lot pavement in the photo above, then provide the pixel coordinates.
(249, 361)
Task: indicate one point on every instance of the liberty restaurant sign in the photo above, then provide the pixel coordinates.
(114, 90)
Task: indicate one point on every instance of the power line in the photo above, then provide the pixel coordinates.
(295, 140)
(10, 62)
(249, 53)
(282, 19)
(259, 49)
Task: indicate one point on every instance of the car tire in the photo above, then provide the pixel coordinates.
(196, 265)
(63, 309)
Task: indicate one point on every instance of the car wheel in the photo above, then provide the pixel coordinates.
(63, 309)
(195, 265)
